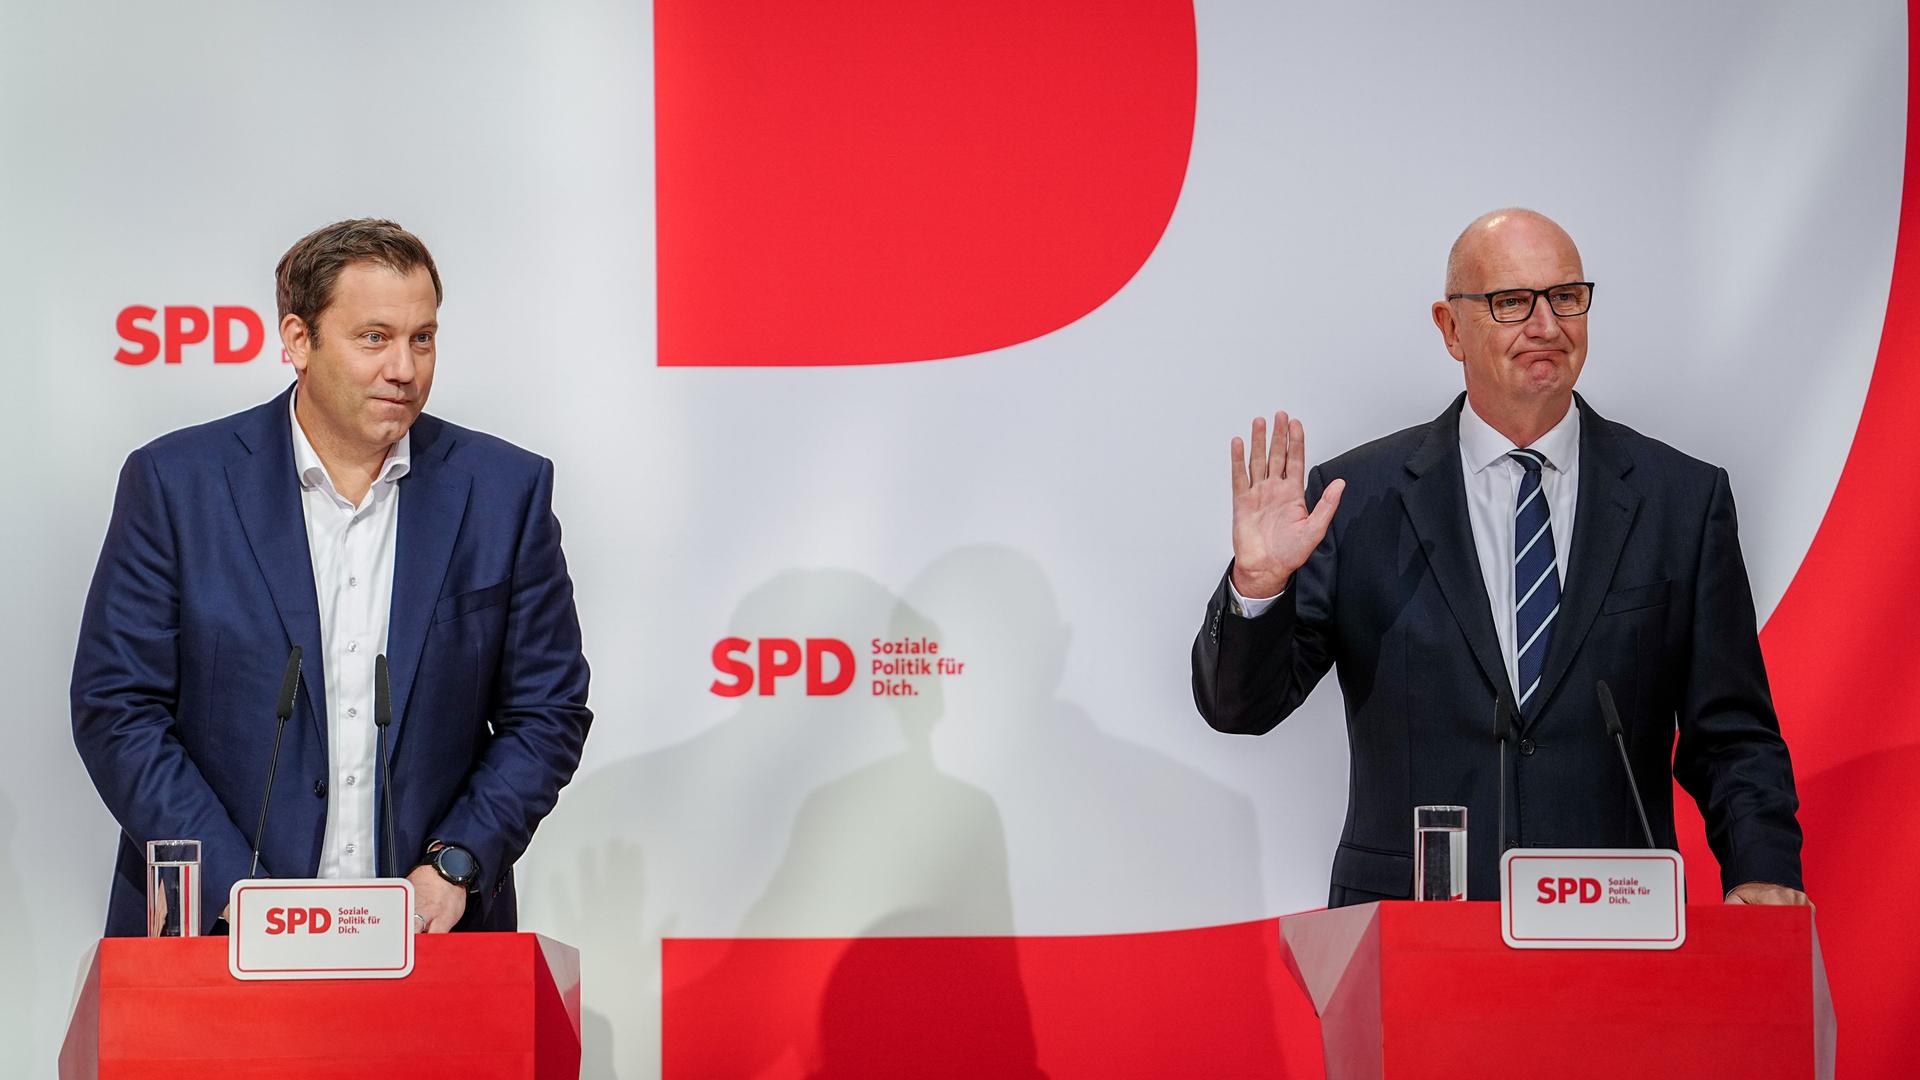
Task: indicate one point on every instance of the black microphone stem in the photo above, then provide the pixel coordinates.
(386, 804)
(1612, 716)
(1503, 731)
(382, 719)
(273, 766)
(283, 708)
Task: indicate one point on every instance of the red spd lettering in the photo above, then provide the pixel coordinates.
(185, 326)
(224, 349)
(818, 649)
(828, 664)
(779, 657)
(237, 333)
(1584, 890)
(316, 920)
(142, 344)
(726, 660)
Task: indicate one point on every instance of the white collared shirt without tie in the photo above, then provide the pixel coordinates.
(1493, 485)
(352, 548)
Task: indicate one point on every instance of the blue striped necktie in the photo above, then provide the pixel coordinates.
(1536, 578)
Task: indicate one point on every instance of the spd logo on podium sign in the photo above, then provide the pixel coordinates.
(1592, 898)
(320, 928)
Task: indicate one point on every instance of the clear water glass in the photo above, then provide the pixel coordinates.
(173, 888)
(1439, 853)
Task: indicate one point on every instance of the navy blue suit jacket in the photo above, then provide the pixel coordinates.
(1655, 601)
(205, 583)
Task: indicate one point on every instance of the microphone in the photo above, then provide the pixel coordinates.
(382, 719)
(283, 708)
(1612, 716)
(1503, 731)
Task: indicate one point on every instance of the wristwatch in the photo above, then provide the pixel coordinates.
(454, 863)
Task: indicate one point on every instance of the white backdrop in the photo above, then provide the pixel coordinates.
(1054, 512)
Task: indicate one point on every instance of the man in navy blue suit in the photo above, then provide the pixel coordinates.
(340, 519)
(1520, 545)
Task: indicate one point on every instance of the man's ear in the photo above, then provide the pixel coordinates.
(296, 341)
(1444, 320)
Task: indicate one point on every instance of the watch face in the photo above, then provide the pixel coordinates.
(455, 864)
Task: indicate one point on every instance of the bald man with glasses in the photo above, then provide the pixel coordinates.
(1519, 545)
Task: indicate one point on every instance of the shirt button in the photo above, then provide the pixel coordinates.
(356, 712)
(350, 849)
(353, 646)
(353, 583)
(351, 778)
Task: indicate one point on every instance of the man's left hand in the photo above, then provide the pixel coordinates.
(436, 899)
(1759, 892)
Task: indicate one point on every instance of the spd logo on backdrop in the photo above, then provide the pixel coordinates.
(224, 334)
(828, 667)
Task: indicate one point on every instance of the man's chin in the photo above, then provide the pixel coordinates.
(1546, 377)
(388, 432)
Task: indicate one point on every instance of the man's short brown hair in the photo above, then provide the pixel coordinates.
(304, 280)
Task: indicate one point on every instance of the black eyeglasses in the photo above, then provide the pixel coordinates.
(1516, 305)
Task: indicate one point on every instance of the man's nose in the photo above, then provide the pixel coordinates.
(1542, 322)
(399, 367)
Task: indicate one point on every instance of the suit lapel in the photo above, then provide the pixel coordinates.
(1603, 517)
(433, 501)
(1436, 502)
(266, 493)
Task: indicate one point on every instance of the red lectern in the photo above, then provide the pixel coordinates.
(476, 1006)
(1408, 990)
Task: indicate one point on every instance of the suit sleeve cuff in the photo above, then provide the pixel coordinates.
(1250, 607)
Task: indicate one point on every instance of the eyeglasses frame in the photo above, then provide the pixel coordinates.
(1531, 304)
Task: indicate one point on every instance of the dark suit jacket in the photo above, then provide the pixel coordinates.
(1655, 601)
(205, 583)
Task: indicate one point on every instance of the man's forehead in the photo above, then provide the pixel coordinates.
(371, 289)
(1524, 252)
(378, 277)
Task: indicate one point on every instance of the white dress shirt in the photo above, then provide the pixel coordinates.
(352, 549)
(1493, 484)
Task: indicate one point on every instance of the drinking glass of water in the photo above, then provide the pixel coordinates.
(1439, 853)
(173, 888)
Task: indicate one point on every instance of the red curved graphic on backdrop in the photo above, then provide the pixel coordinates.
(1840, 656)
(1214, 1002)
(1838, 646)
(849, 183)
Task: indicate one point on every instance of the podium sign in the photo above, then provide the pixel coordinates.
(320, 928)
(1592, 898)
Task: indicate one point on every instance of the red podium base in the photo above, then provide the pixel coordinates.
(1409, 990)
(476, 1006)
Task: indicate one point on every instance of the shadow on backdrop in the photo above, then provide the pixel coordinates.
(894, 849)
(678, 841)
(899, 1005)
(888, 841)
(1105, 836)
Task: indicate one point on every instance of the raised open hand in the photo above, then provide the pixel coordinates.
(1273, 531)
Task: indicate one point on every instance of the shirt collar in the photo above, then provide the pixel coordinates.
(313, 472)
(1483, 447)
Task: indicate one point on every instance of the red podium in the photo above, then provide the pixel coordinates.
(476, 1006)
(1408, 990)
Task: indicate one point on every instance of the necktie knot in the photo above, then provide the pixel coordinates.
(1530, 460)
